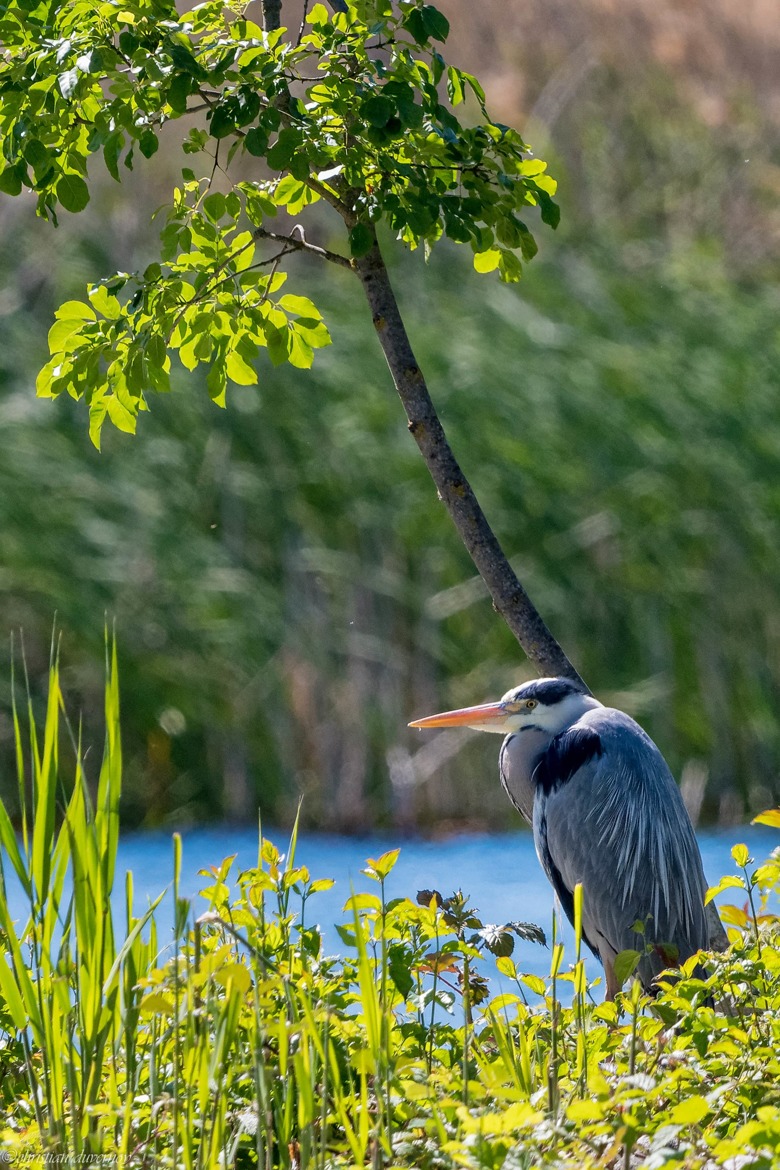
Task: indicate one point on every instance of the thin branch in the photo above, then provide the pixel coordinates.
(303, 23)
(300, 243)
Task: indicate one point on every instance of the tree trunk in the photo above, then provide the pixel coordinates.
(509, 597)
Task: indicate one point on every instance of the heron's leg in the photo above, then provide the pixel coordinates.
(613, 987)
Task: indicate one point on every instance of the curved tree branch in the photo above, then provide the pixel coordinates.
(509, 597)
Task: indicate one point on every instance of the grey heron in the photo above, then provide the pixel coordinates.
(606, 812)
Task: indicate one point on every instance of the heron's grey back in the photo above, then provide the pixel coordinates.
(619, 826)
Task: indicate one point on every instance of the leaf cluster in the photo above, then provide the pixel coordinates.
(352, 113)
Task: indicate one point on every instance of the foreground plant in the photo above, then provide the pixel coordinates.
(237, 1040)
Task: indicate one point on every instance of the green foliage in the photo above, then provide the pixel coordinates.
(240, 1041)
(349, 113)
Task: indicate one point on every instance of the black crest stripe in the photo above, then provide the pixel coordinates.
(567, 753)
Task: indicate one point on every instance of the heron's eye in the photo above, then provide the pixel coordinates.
(531, 703)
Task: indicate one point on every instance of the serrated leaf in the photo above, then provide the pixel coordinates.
(529, 932)
(497, 939)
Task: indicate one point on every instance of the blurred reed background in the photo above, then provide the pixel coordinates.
(286, 588)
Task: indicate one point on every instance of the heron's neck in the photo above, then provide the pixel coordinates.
(520, 753)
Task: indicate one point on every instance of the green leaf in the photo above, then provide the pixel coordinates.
(67, 83)
(487, 261)
(551, 212)
(256, 141)
(288, 190)
(148, 143)
(436, 24)
(690, 1111)
(178, 92)
(75, 310)
(379, 867)
(534, 983)
(498, 940)
(377, 111)
(239, 371)
(741, 855)
(65, 336)
(361, 239)
(106, 304)
(10, 181)
(454, 86)
(626, 964)
(122, 418)
(729, 882)
(283, 150)
(72, 193)
(300, 352)
(399, 968)
(214, 206)
(222, 123)
(97, 415)
(301, 306)
(427, 22)
(770, 817)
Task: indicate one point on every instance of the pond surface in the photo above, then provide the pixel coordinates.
(499, 872)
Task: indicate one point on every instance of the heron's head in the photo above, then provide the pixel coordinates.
(544, 704)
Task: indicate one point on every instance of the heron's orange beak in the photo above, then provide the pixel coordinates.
(486, 717)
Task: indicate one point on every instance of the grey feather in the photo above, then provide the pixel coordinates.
(618, 825)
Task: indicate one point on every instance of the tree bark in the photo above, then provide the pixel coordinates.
(509, 597)
(272, 14)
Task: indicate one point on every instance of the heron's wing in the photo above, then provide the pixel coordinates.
(608, 814)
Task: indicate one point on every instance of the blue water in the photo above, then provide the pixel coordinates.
(499, 872)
